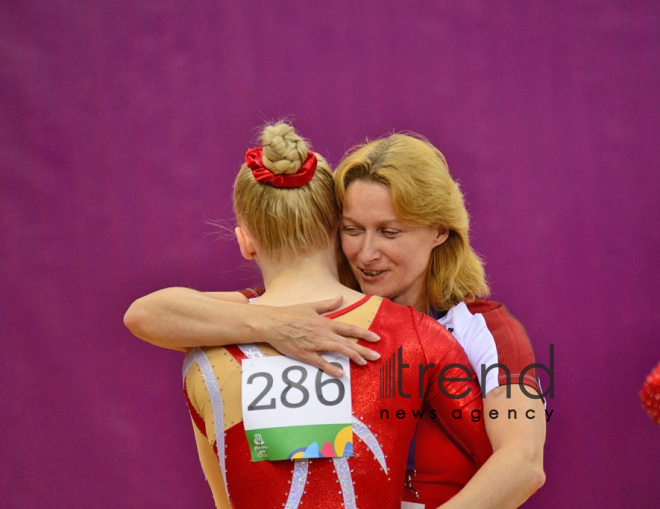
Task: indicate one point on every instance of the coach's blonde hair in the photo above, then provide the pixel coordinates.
(287, 222)
(423, 193)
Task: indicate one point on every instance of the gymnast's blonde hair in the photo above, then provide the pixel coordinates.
(292, 221)
(423, 193)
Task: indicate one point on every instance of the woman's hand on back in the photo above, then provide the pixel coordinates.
(182, 318)
(302, 333)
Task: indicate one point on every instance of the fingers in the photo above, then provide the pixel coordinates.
(325, 306)
(339, 345)
(325, 366)
(353, 331)
(353, 351)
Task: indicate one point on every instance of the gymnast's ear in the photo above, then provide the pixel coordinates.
(245, 243)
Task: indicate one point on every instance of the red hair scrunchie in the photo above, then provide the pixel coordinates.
(253, 159)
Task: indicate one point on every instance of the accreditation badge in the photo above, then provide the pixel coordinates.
(293, 410)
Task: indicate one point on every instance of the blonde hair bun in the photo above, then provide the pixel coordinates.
(284, 223)
(284, 150)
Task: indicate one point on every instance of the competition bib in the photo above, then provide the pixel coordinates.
(294, 410)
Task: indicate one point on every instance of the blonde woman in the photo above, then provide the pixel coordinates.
(386, 189)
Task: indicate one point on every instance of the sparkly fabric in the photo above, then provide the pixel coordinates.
(375, 474)
(345, 481)
(364, 433)
(297, 484)
(216, 402)
(251, 351)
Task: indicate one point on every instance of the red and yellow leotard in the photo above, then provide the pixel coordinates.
(374, 476)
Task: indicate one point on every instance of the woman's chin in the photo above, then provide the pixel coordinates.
(376, 288)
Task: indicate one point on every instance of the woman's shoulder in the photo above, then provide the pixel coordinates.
(508, 334)
(497, 318)
(491, 335)
(482, 306)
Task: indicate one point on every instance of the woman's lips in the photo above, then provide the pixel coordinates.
(372, 275)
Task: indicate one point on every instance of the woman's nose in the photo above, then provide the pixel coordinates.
(370, 249)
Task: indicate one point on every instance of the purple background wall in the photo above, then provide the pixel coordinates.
(123, 123)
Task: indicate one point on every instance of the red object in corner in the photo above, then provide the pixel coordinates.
(650, 394)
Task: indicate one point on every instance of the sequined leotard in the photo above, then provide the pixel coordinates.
(374, 476)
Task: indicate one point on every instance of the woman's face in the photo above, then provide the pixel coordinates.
(388, 258)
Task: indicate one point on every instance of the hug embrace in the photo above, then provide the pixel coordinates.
(283, 382)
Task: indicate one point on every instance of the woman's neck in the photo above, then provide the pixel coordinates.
(303, 278)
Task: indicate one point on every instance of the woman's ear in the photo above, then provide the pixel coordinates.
(442, 234)
(245, 243)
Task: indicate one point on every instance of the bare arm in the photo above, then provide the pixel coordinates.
(515, 470)
(181, 318)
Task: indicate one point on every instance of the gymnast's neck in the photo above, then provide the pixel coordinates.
(303, 278)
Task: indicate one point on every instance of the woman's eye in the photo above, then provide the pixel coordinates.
(391, 233)
(350, 230)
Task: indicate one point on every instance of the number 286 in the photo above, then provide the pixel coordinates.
(298, 386)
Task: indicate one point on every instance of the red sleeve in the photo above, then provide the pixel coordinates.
(252, 293)
(514, 348)
(441, 348)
